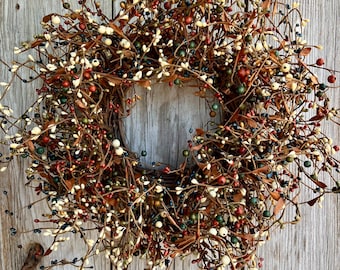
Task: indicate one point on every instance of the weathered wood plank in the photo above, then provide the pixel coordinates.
(163, 122)
(313, 243)
(19, 22)
(161, 125)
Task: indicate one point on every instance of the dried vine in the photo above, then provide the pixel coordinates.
(246, 58)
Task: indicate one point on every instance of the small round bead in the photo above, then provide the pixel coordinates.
(116, 143)
(320, 62)
(215, 106)
(275, 86)
(322, 86)
(307, 163)
(223, 231)
(234, 239)
(159, 224)
(63, 99)
(66, 5)
(40, 150)
(241, 89)
(95, 62)
(185, 153)
(181, 53)
(108, 41)
(177, 81)
(55, 20)
(289, 159)
(192, 45)
(221, 180)
(285, 68)
(213, 231)
(254, 200)
(219, 218)
(266, 213)
(119, 151)
(331, 78)
(225, 260)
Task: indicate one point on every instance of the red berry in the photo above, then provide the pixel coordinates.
(336, 147)
(167, 5)
(87, 75)
(239, 211)
(66, 84)
(331, 78)
(166, 169)
(82, 26)
(92, 88)
(215, 223)
(237, 225)
(236, 184)
(242, 150)
(188, 20)
(45, 139)
(242, 72)
(221, 180)
(320, 62)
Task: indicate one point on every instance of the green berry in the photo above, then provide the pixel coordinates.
(215, 106)
(192, 45)
(307, 163)
(254, 200)
(241, 89)
(229, 71)
(266, 213)
(63, 100)
(138, 45)
(40, 150)
(185, 153)
(66, 5)
(219, 218)
(322, 86)
(177, 81)
(289, 159)
(234, 239)
(181, 53)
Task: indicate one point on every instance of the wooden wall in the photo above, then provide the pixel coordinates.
(160, 127)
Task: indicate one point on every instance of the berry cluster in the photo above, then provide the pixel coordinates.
(237, 179)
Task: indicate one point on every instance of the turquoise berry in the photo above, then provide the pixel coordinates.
(266, 213)
(307, 163)
(215, 106)
(254, 200)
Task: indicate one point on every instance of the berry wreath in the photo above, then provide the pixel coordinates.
(238, 178)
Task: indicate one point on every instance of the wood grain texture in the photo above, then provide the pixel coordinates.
(161, 125)
(19, 22)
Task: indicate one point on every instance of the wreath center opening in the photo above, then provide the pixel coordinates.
(164, 120)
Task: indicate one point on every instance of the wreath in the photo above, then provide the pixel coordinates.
(245, 58)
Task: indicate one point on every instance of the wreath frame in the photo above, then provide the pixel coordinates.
(201, 184)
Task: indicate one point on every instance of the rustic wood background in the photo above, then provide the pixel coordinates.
(160, 127)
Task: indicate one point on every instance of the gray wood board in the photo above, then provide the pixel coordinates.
(161, 125)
